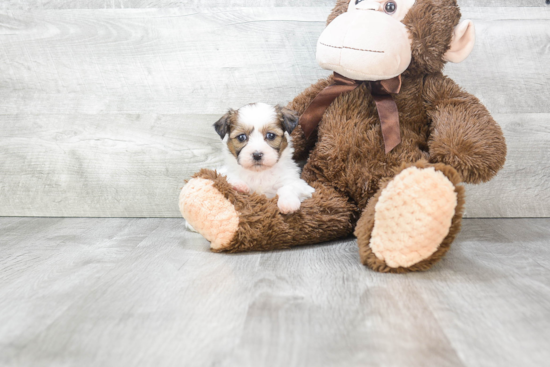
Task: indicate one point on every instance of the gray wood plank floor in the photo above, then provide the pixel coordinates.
(128, 292)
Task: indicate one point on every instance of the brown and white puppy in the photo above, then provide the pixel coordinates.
(258, 154)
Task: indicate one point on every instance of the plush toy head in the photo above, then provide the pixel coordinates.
(373, 40)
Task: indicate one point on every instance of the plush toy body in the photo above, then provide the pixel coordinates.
(405, 206)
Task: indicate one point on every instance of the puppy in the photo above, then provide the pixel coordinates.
(258, 154)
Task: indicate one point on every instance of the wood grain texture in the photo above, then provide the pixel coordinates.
(129, 4)
(171, 61)
(135, 4)
(131, 166)
(184, 61)
(502, 3)
(102, 165)
(521, 188)
(126, 292)
(107, 112)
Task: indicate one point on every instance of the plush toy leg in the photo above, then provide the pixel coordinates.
(208, 212)
(235, 222)
(412, 220)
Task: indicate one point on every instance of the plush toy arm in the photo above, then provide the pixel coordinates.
(463, 133)
(303, 146)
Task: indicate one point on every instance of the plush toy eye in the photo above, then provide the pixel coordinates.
(241, 137)
(270, 136)
(390, 7)
(358, 1)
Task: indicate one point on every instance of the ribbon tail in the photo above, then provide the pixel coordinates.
(389, 120)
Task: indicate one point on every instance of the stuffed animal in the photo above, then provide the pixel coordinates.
(388, 139)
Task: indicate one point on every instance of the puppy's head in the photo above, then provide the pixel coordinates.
(257, 134)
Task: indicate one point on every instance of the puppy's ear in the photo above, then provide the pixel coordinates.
(222, 125)
(289, 118)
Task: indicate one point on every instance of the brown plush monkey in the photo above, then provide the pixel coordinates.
(387, 171)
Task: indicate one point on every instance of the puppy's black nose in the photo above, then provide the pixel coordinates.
(257, 156)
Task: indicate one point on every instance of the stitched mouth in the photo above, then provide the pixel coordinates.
(351, 48)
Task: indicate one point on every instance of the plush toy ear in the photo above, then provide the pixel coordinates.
(462, 44)
(222, 125)
(290, 119)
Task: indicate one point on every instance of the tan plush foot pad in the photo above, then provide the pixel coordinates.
(412, 216)
(209, 212)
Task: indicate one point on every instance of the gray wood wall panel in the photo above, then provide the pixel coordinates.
(131, 165)
(129, 4)
(101, 165)
(106, 112)
(502, 3)
(126, 4)
(522, 188)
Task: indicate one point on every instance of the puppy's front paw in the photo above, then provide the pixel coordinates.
(308, 192)
(304, 190)
(241, 187)
(288, 204)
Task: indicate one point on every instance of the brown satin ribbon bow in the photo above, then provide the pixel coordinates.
(382, 94)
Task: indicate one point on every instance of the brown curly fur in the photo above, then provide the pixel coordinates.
(327, 215)
(441, 126)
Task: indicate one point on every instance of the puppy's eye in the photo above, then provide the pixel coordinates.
(241, 138)
(390, 7)
(270, 136)
(358, 1)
